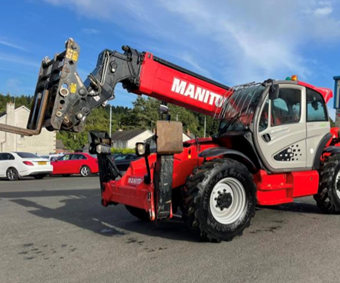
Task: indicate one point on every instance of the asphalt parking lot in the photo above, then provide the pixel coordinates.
(55, 230)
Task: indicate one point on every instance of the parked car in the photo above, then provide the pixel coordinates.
(75, 163)
(114, 155)
(52, 157)
(14, 165)
(123, 161)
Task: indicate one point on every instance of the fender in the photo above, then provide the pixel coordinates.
(321, 149)
(332, 149)
(234, 154)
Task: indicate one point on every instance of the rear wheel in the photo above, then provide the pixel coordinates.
(12, 174)
(141, 214)
(328, 197)
(219, 200)
(85, 171)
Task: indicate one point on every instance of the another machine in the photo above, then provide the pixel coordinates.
(274, 142)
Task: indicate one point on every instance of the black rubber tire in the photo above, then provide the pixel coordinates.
(196, 195)
(66, 175)
(12, 174)
(40, 176)
(141, 214)
(327, 199)
(82, 172)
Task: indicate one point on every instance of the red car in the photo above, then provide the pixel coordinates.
(75, 163)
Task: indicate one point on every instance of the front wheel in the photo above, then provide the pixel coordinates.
(219, 200)
(85, 171)
(328, 197)
(12, 174)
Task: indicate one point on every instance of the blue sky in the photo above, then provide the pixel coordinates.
(233, 42)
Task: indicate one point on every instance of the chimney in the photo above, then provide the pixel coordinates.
(11, 144)
(188, 133)
(10, 118)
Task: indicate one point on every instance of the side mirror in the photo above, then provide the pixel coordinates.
(142, 149)
(274, 92)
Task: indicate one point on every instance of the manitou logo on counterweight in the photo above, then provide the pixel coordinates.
(196, 92)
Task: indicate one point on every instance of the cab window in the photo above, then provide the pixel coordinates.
(264, 117)
(286, 109)
(316, 110)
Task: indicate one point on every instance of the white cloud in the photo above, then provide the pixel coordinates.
(90, 31)
(18, 60)
(235, 41)
(323, 11)
(10, 44)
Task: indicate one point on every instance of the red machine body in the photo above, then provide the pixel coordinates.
(172, 85)
(272, 189)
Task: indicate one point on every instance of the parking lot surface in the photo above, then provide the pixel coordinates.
(55, 230)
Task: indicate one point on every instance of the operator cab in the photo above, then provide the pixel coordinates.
(291, 130)
(284, 132)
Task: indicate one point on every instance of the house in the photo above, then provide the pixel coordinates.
(43, 144)
(128, 139)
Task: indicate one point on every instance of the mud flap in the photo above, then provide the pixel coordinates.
(169, 141)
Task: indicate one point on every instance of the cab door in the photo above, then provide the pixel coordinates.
(280, 132)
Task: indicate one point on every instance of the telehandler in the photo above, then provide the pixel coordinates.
(274, 142)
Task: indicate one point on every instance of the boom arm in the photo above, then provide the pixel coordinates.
(62, 101)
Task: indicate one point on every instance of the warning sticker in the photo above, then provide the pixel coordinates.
(72, 54)
(75, 56)
(69, 53)
(73, 88)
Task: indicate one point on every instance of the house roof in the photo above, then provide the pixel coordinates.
(126, 135)
(3, 114)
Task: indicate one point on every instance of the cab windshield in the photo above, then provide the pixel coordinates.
(238, 110)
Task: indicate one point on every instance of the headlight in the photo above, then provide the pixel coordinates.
(140, 149)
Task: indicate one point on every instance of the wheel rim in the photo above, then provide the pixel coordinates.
(11, 174)
(84, 171)
(228, 201)
(337, 184)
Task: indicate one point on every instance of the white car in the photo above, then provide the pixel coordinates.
(14, 165)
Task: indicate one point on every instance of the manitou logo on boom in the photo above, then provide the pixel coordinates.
(196, 92)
